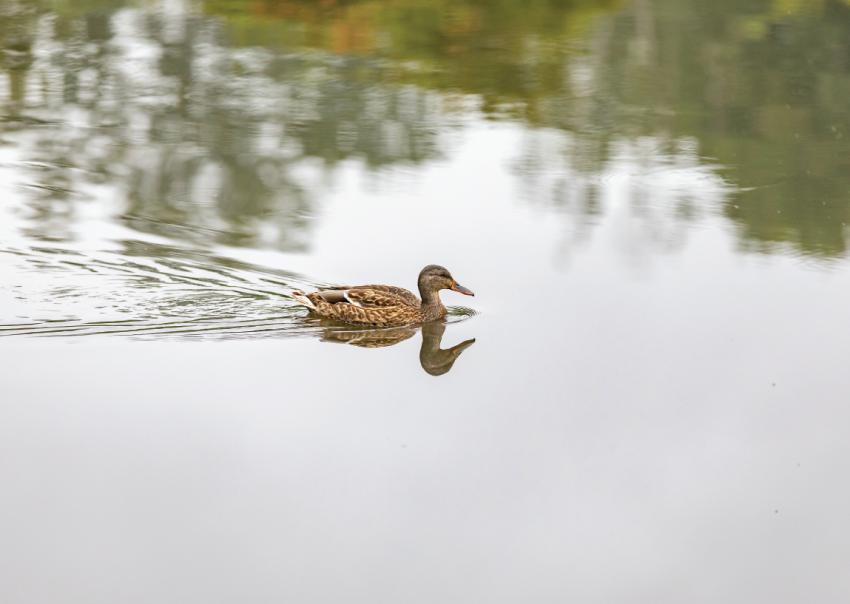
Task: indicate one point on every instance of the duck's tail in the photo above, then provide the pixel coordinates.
(302, 299)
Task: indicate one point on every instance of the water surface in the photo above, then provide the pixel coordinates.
(645, 401)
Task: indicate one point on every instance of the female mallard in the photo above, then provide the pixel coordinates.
(384, 305)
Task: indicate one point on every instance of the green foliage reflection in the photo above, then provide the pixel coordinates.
(247, 90)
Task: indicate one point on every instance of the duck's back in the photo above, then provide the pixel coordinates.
(378, 305)
(405, 297)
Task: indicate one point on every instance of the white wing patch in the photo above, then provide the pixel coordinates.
(350, 301)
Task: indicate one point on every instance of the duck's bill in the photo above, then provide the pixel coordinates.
(461, 289)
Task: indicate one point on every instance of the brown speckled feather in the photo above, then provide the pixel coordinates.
(370, 306)
(407, 296)
(370, 297)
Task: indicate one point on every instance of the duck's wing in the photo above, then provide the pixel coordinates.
(380, 296)
(407, 296)
(372, 296)
(363, 305)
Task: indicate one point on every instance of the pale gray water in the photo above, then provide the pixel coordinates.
(647, 197)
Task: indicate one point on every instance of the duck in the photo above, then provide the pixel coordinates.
(384, 305)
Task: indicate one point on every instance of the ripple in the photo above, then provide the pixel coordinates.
(457, 314)
(152, 291)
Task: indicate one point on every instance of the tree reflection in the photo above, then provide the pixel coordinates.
(761, 85)
(224, 125)
(201, 140)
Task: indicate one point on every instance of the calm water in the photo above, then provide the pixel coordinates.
(645, 402)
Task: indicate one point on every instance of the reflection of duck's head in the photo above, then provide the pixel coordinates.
(433, 359)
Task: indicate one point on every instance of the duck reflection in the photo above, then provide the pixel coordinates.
(434, 360)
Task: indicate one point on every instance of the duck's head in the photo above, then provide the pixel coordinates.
(433, 278)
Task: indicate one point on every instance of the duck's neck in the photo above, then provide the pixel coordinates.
(432, 307)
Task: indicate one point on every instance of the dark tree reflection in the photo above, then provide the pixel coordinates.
(762, 86)
(223, 122)
(199, 139)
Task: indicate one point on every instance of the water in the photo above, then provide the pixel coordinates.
(645, 401)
